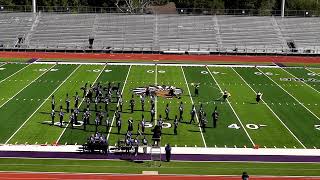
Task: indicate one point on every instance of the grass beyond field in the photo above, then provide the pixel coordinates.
(287, 117)
(126, 167)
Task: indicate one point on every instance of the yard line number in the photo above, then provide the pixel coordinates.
(213, 72)
(99, 70)
(249, 126)
(152, 71)
(45, 69)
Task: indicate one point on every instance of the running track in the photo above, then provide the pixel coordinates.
(162, 57)
(38, 176)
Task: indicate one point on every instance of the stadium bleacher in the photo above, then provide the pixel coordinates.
(12, 25)
(170, 32)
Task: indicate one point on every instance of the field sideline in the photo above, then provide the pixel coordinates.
(288, 117)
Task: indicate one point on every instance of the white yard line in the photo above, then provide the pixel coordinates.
(41, 105)
(15, 73)
(156, 98)
(26, 86)
(301, 81)
(64, 129)
(185, 79)
(160, 64)
(289, 94)
(231, 108)
(271, 111)
(114, 116)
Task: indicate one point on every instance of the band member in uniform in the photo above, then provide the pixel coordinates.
(121, 103)
(130, 124)
(226, 94)
(132, 104)
(258, 97)
(72, 118)
(167, 110)
(181, 111)
(76, 113)
(96, 101)
(88, 102)
(84, 119)
(201, 112)
(143, 123)
(76, 99)
(53, 103)
(192, 114)
(153, 113)
(196, 90)
(108, 123)
(68, 103)
(160, 122)
(101, 115)
(147, 91)
(175, 122)
(106, 103)
(88, 115)
(53, 114)
(97, 122)
(145, 144)
(61, 114)
(203, 122)
(84, 89)
(171, 92)
(215, 116)
(152, 101)
(142, 99)
(118, 123)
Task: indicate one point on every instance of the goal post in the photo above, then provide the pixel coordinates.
(34, 10)
(283, 7)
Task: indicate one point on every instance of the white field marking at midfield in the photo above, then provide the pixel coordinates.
(204, 142)
(15, 73)
(301, 81)
(156, 98)
(290, 95)
(271, 110)
(26, 86)
(65, 128)
(231, 108)
(161, 64)
(41, 105)
(114, 115)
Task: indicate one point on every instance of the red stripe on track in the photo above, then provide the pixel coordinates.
(151, 57)
(38, 176)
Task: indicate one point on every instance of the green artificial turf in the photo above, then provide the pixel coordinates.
(288, 123)
(295, 116)
(17, 110)
(243, 101)
(78, 134)
(6, 70)
(188, 134)
(210, 97)
(35, 131)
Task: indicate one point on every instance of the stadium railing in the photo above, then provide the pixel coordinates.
(193, 11)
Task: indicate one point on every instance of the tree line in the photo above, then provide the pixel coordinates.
(210, 4)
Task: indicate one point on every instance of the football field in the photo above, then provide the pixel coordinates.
(287, 117)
